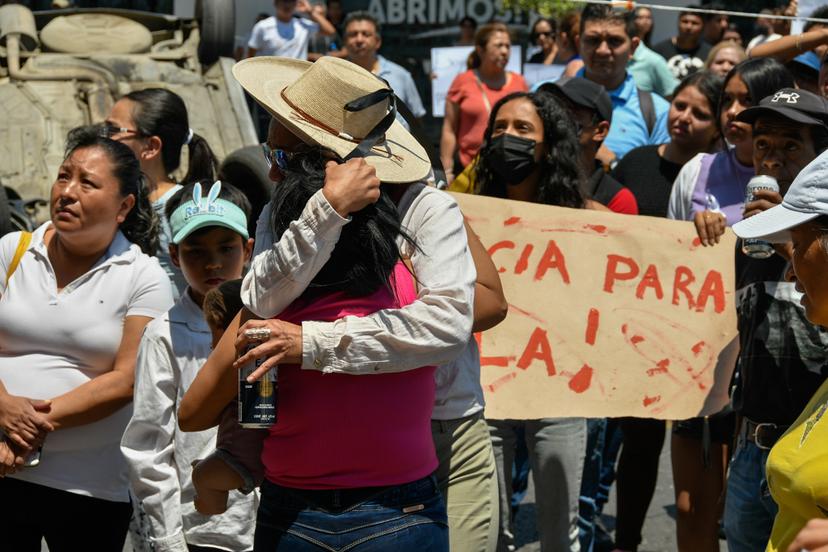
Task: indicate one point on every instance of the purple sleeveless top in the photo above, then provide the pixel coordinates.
(721, 185)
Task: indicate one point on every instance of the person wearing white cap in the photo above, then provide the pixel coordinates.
(783, 356)
(796, 463)
(348, 111)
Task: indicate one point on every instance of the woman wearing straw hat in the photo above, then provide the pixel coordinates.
(346, 110)
(796, 463)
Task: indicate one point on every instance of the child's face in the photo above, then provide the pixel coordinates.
(209, 257)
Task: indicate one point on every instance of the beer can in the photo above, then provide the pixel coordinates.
(257, 400)
(758, 249)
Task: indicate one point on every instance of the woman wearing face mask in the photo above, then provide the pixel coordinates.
(649, 172)
(530, 153)
(153, 123)
(472, 94)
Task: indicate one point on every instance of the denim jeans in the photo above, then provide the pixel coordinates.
(749, 507)
(590, 483)
(405, 518)
(556, 455)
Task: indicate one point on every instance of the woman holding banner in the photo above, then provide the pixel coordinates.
(472, 94)
(530, 153)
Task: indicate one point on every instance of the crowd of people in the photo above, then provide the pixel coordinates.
(363, 287)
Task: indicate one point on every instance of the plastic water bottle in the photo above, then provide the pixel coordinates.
(758, 249)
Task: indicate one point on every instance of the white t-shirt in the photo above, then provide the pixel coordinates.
(52, 342)
(271, 37)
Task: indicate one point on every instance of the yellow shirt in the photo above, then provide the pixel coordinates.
(797, 472)
(466, 182)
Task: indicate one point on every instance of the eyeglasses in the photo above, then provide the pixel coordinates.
(276, 156)
(543, 33)
(108, 131)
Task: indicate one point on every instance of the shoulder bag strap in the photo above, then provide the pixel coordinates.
(483, 93)
(22, 246)
(645, 102)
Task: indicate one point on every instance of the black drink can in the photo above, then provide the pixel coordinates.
(257, 400)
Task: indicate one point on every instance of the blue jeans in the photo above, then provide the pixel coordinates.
(409, 517)
(749, 507)
(590, 483)
(520, 470)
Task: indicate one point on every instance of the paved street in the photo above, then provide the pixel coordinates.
(659, 528)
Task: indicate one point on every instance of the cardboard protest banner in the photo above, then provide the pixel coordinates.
(538, 72)
(447, 63)
(609, 315)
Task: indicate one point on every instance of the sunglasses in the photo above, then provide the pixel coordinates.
(276, 156)
(108, 131)
(546, 34)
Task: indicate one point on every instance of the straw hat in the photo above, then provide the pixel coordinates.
(336, 104)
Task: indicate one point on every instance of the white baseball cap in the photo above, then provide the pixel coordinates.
(806, 199)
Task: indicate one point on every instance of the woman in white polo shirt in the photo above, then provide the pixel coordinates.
(71, 317)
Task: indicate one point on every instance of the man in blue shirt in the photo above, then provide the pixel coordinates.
(608, 41)
(363, 41)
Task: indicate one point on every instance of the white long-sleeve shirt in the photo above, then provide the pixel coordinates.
(172, 351)
(434, 330)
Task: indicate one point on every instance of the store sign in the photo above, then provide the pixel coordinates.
(440, 12)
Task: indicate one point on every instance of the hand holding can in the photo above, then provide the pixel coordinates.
(258, 399)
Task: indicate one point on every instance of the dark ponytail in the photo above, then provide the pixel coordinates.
(141, 224)
(159, 112)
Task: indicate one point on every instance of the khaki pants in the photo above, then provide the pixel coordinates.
(467, 479)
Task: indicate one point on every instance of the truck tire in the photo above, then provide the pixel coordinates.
(247, 170)
(217, 24)
(6, 225)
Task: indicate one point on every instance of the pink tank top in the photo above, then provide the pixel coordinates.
(339, 431)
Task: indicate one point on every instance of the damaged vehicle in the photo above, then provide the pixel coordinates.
(63, 68)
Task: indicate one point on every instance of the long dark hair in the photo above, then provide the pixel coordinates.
(762, 76)
(366, 252)
(560, 172)
(159, 112)
(710, 86)
(141, 224)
